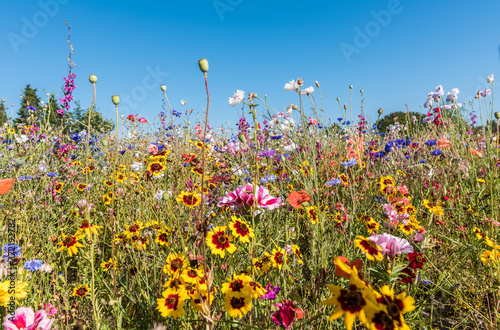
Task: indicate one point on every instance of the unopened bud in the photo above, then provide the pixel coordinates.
(497, 115)
(317, 83)
(165, 196)
(115, 99)
(361, 91)
(163, 87)
(380, 111)
(338, 99)
(350, 86)
(345, 106)
(242, 138)
(104, 142)
(295, 107)
(203, 64)
(3, 100)
(300, 81)
(93, 78)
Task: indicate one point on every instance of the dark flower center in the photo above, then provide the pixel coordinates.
(237, 303)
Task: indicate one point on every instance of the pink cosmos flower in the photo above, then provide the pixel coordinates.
(153, 149)
(243, 197)
(313, 121)
(392, 244)
(50, 309)
(26, 319)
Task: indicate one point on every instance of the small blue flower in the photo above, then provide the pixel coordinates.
(333, 182)
(12, 250)
(430, 143)
(350, 162)
(436, 152)
(31, 108)
(52, 174)
(33, 265)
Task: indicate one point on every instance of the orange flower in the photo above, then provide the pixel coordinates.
(295, 199)
(5, 185)
(443, 143)
(340, 270)
(475, 152)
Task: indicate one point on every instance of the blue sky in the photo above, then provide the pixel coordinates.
(396, 51)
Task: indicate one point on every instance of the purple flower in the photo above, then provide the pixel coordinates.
(285, 315)
(436, 152)
(271, 293)
(392, 244)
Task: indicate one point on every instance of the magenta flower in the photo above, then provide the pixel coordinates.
(271, 293)
(243, 197)
(26, 319)
(285, 315)
(50, 309)
(392, 244)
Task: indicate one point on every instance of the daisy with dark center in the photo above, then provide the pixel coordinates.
(58, 187)
(351, 303)
(416, 260)
(175, 283)
(370, 248)
(238, 286)
(81, 186)
(107, 198)
(192, 275)
(162, 238)
(71, 243)
(141, 243)
(312, 214)
(156, 168)
(344, 179)
(87, 228)
(175, 264)
(380, 320)
(219, 242)
(372, 226)
(190, 199)
(172, 303)
(238, 306)
(108, 183)
(240, 229)
(296, 251)
(260, 266)
(81, 291)
(201, 297)
(257, 289)
(120, 177)
(395, 307)
(110, 264)
(196, 170)
(279, 258)
(134, 229)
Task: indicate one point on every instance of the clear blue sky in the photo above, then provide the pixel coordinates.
(255, 46)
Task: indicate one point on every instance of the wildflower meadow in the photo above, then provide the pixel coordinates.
(298, 217)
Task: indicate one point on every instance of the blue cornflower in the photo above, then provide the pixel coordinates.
(350, 162)
(122, 152)
(219, 149)
(340, 119)
(33, 265)
(436, 152)
(333, 182)
(275, 137)
(52, 174)
(379, 154)
(29, 107)
(422, 161)
(75, 137)
(233, 139)
(12, 250)
(131, 146)
(430, 143)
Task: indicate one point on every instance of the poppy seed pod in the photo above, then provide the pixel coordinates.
(93, 78)
(203, 64)
(163, 87)
(497, 115)
(380, 111)
(115, 99)
(350, 86)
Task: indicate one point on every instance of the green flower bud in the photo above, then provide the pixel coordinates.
(203, 64)
(497, 115)
(163, 87)
(242, 138)
(350, 86)
(166, 196)
(295, 107)
(115, 99)
(305, 204)
(380, 111)
(93, 78)
(104, 142)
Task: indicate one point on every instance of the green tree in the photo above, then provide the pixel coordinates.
(49, 115)
(29, 98)
(414, 119)
(3, 113)
(80, 118)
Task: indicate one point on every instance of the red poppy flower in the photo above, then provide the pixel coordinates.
(131, 118)
(295, 199)
(142, 120)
